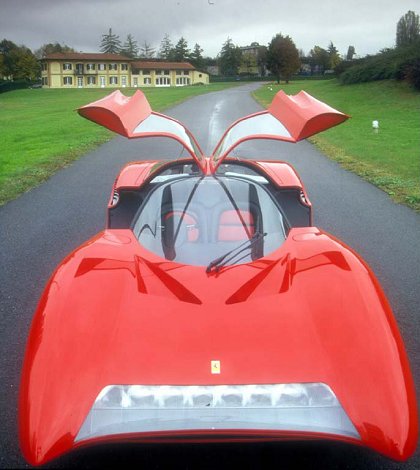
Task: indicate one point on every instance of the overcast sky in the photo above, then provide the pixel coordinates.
(368, 25)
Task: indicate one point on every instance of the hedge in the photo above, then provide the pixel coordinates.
(401, 63)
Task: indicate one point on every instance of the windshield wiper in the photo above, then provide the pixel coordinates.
(221, 261)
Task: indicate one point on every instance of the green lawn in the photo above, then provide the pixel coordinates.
(390, 158)
(41, 132)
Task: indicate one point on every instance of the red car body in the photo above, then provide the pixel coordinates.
(308, 315)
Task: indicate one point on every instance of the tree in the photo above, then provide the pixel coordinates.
(26, 66)
(350, 53)
(229, 58)
(181, 51)
(147, 51)
(110, 43)
(282, 57)
(6, 49)
(196, 57)
(408, 29)
(210, 62)
(319, 59)
(166, 48)
(262, 60)
(130, 47)
(18, 62)
(248, 62)
(334, 56)
(51, 48)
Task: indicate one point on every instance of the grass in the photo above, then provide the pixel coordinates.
(41, 133)
(390, 158)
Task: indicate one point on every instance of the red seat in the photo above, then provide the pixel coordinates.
(188, 228)
(235, 225)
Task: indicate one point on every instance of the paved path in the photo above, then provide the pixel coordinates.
(42, 226)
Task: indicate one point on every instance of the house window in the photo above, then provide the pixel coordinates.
(166, 72)
(44, 80)
(181, 81)
(91, 80)
(66, 66)
(124, 81)
(124, 67)
(158, 72)
(67, 80)
(101, 67)
(113, 80)
(186, 72)
(135, 82)
(90, 67)
(146, 72)
(163, 81)
(79, 69)
(102, 81)
(179, 72)
(112, 67)
(44, 67)
(200, 75)
(147, 80)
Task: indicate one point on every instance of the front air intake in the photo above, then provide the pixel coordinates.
(302, 407)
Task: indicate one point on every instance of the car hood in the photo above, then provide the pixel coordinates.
(114, 313)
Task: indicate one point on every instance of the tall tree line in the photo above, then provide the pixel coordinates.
(179, 52)
(280, 56)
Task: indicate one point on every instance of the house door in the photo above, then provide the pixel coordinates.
(80, 82)
(102, 82)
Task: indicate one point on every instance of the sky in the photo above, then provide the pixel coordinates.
(368, 25)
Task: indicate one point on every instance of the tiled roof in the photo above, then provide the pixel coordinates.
(136, 64)
(85, 56)
(162, 65)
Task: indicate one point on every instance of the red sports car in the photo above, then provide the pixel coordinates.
(211, 309)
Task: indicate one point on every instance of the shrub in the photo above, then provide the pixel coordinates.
(400, 63)
(8, 85)
(344, 65)
(413, 74)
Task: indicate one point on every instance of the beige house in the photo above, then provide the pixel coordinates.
(90, 70)
(80, 70)
(144, 73)
(249, 64)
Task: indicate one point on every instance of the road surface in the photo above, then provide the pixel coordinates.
(42, 226)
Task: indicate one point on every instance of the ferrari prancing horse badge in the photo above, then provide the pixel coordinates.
(215, 367)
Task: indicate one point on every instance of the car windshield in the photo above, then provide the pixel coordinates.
(196, 219)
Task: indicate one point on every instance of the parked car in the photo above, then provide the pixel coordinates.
(211, 309)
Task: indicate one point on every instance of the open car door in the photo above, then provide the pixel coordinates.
(288, 118)
(133, 117)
